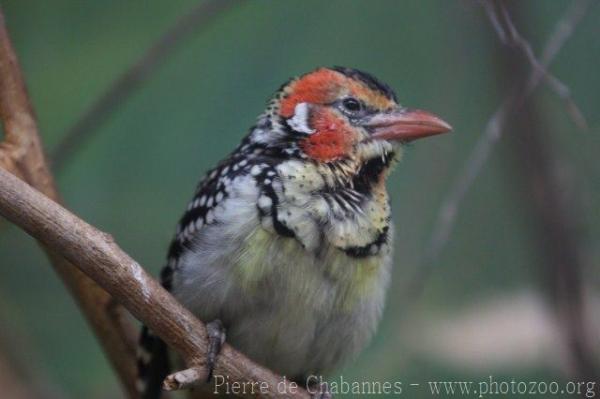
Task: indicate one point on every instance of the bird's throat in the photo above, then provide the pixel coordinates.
(373, 172)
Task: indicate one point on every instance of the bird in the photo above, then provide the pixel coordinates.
(286, 246)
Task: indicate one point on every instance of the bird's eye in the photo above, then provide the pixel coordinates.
(351, 104)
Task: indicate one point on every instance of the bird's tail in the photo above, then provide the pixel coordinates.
(152, 364)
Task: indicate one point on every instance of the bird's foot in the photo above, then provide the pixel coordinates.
(216, 339)
(320, 390)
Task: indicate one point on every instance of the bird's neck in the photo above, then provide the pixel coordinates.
(350, 213)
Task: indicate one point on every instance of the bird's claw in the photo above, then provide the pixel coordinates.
(216, 339)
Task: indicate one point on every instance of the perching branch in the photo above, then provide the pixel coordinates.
(21, 153)
(96, 254)
(132, 79)
(71, 242)
(494, 128)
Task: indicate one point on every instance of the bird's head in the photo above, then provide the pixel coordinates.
(342, 116)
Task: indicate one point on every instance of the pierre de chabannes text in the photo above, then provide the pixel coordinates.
(476, 389)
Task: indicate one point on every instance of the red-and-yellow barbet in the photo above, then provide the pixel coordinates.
(287, 242)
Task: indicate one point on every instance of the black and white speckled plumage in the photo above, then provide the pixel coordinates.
(272, 237)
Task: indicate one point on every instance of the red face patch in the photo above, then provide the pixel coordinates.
(316, 88)
(323, 86)
(332, 138)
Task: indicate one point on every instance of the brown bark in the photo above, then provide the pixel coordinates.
(74, 248)
(21, 153)
(97, 255)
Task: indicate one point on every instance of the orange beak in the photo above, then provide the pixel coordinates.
(405, 125)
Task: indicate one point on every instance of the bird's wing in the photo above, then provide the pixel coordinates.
(214, 190)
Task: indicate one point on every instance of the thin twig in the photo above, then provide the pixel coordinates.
(21, 153)
(510, 36)
(98, 256)
(129, 81)
(185, 379)
(493, 131)
(559, 231)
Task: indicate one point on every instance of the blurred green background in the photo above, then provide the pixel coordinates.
(483, 309)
